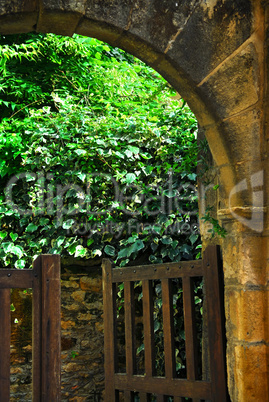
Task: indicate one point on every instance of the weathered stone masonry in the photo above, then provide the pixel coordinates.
(215, 54)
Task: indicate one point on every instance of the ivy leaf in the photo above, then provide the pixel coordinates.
(68, 224)
(80, 151)
(72, 248)
(130, 178)
(44, 221)
(17, 250)
(80, 251)
(20, 264)
(167, 240)
(14, 236)
(96, 252)
(134, 150)
(59, 241)
(82, 176)
(170, 193)
(123, 252)
(31, 228)
(193, 237)
(7, 246)
(110, 250)
(3, 235)
(134, 248)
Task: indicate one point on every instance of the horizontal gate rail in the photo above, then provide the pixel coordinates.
(214, 389)
(163, 386)
(44, 279)
(158, 271)
(16, 279)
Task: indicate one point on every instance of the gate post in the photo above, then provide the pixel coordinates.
(47, 329)
(215, 320)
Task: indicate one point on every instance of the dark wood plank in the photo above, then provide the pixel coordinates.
(148, 328)
(128, 396)
(179, 399)
(168, 329)
(190, 330)
(129, 327)
(165, 386)
(161, 398)
(4, 344)
(109, 331)
(158, 271)
(36, 329)
(51, 328)
(144, 397)
(215, 316)
(16, 279)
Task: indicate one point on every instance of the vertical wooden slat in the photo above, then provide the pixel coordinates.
(128, 396)
(129, 328)
(212, 273)
(168, 329)
(36, 329)
(51, 328)
(143, 396)
(4, 344)
(190, 330)
(148, 328)
(109, 331)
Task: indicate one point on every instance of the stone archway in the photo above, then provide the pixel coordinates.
(214, 53)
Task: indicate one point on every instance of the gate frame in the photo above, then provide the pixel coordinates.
(45, 280)
(215, 389)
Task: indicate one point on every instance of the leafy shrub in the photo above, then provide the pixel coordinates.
(97, 155)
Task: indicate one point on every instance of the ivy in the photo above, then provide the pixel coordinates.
(97, 157)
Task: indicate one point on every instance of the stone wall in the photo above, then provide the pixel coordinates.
(82, 338)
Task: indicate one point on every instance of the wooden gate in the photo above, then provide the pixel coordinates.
(141, 387)
(44, 279)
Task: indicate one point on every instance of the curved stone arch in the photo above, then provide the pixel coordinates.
(212, 53)
(171, 37)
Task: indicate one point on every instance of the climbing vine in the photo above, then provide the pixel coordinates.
(97, 155)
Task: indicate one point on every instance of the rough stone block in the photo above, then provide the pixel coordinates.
(115, 12)
(14, 7)
(234, 86)
(245, 315)
(251, 360)
(58, 22)
(69, 284)
(77, 6)
(215, 30)
(91, 284)
(98, 30)
(251, 268)
(79, 295)
(241, 134)
(67, 324)
(238, 182)
(158, 22)
(21, 23)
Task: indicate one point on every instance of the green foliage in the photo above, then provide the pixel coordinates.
(97, 157)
